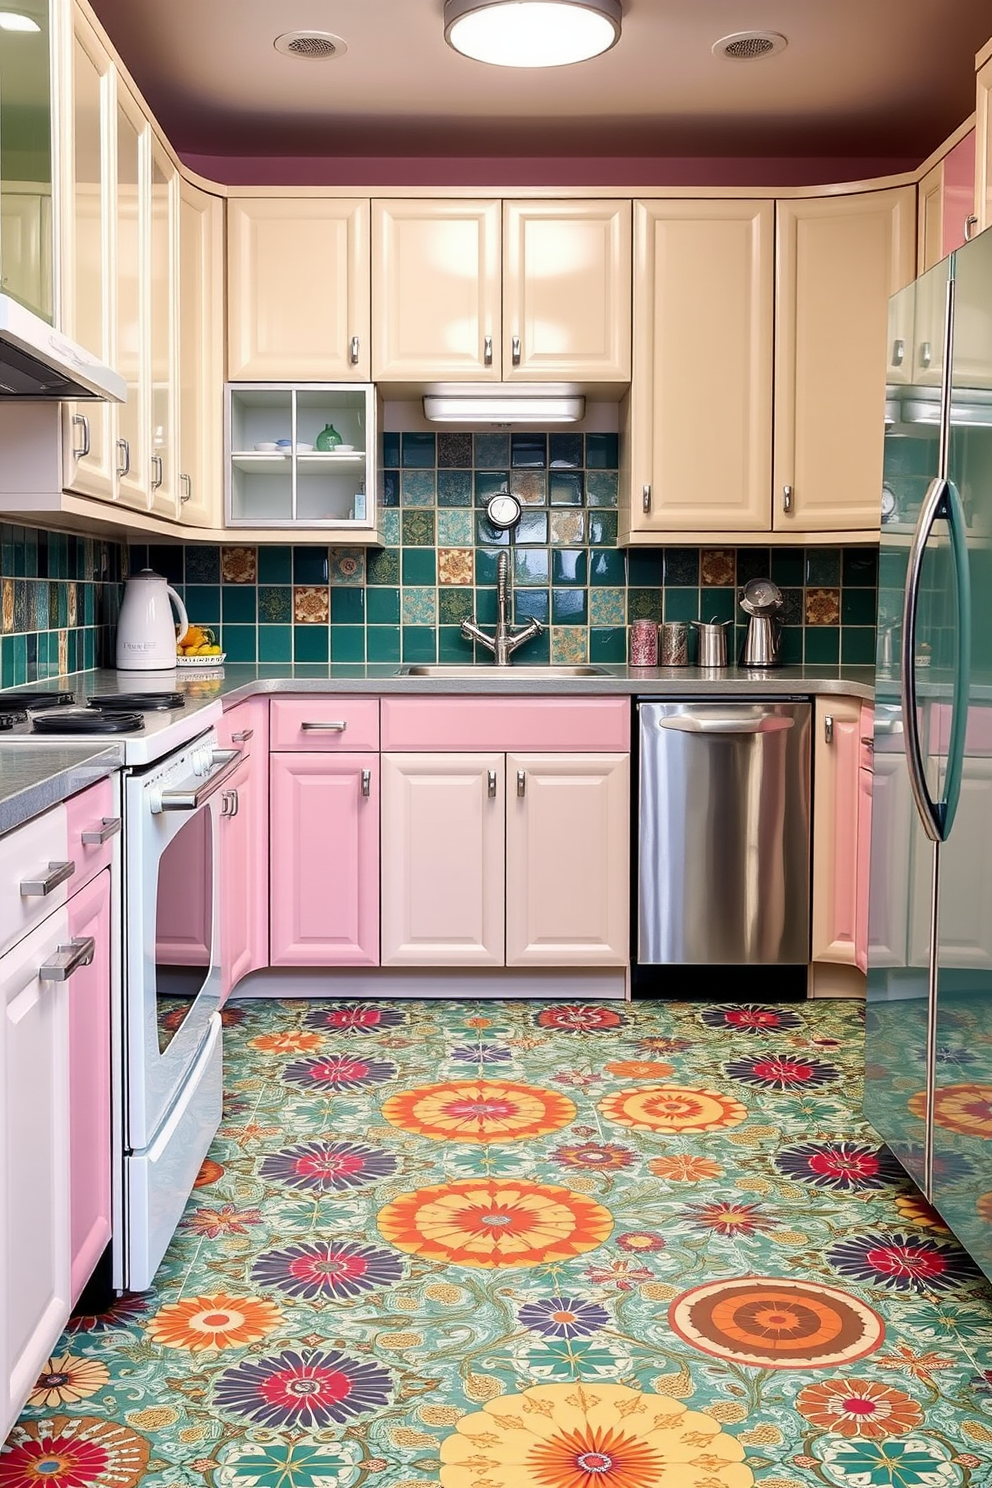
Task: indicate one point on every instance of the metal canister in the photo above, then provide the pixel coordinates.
(712, 642)
(674, 643)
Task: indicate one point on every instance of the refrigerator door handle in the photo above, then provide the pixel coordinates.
(954, 512)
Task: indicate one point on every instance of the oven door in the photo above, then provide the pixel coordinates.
(172, 977)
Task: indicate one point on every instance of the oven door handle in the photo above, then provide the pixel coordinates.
(226, 760)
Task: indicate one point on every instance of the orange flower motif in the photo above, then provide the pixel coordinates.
(684, 1169)
(209, 1172)
(641, 1069)
(287, 1043)
(984, 1205)
(479, 1111)
(961, 1108)
(673, 1108)
(215, 1322)
(857, 1407)
(915, 1210)
(920, 1366)
(492, 1222)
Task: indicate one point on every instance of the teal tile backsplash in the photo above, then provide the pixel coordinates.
(60, 595)
(405, 602)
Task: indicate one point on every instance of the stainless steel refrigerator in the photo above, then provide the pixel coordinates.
(928, 1079)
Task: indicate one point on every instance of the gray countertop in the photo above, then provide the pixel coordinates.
(32, 779)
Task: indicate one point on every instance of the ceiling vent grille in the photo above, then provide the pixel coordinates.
(318, 46)
(748, 46)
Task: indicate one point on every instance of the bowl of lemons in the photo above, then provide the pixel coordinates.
(199, 648)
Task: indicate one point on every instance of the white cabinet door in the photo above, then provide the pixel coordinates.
(163, 333)
(34, 1195)
(131, 360)
(201, 356)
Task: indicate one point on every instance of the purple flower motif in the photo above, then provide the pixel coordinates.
(327, 1268)
(481, 1054)
(845, 1167)
(949, 1167)
(902, 1262)
(354, 1017)
(948, 1055)
(332, 1072)
(564, 1317)
(302, 1390)
(749, 1017)
(325, 1166)
(782, 1072)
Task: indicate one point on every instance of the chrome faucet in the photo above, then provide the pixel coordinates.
(506, 639)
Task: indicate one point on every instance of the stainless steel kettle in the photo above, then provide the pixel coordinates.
(761, 601)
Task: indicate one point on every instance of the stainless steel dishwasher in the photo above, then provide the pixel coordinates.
(724, 844)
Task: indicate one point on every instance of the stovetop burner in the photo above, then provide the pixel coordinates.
(86, 721)
(10, 720)
(141, 702)
(28, 699)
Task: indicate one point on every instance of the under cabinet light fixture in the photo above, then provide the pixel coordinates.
(10, 20)
(462, 405)
(532, 33)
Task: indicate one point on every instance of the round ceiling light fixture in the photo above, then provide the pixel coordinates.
(317, 46)
(532, 33)
(748, 46)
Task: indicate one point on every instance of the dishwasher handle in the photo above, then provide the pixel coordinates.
(689, 723)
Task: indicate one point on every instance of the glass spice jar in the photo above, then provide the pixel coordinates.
(643, 643)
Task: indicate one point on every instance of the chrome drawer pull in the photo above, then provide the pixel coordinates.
(366, 783)
(687, 724)
(159, 468)
(58, 873)
(515, 350)
(898, 352)
(186, 488)
(521, 782)
(787, 498)
(828, 729)
(242, 736)
(69, 959)
(124, 449)
(354, 351)
(330, 728)
(492, 785)
(80, 418)
(487, 351)
(646, 498)
(97, 836)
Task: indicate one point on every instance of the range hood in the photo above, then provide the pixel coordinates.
(539, 403)
(970, 407)
(39, 362)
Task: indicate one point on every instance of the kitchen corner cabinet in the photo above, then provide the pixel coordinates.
(298, 289)
(841, 839)
(491, 291)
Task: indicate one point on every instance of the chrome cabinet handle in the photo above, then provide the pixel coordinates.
(79, 952)
(57, 874)
(898, 352)
(492, 785)
(787, 498)
(646, 498)
(521, 782)
(158, 465)
(828, 729)
(229, 803)
(687, 723)
(970, 223)
(185, 488)
(330, 728)
(366, 783)
(487, 351)
(226, 760)
(354, 351)
(926, 353)
(515, 350)
(124, 450)
(242, 736)
(97, 836)
(81, 419)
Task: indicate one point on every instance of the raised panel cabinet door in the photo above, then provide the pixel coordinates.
(34, 1198)
(442, 859)
(891, 880)
(566, 290)
(983, 139)
(89, 1083)
(246, 727)
(238, 873)
(703, 303)
(930, 219)
(836, 812)
(201, 355)
(436, 290)
(163, 332)
(839, 259)
(567, 860)
(863, 876)
(324, 859)
(131, 221)
(298, 289)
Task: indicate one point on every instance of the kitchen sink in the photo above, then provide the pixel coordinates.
(528, 672)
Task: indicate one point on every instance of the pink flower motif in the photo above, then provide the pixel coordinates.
(227, 1220)
(624, 1275)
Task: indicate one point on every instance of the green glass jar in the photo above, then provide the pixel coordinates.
(328, 438)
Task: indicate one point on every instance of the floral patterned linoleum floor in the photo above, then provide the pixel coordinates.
(535, 1245)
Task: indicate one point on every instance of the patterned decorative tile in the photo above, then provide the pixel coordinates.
(311, 604)
(454, 450)
(454, 487)
(418, 529)
(275, 604)
(822, 606)
(455, 566)
(419, 488)
(72, 604)
(389, 528)
(8, 605)
(569, 645)
(384, 566)
(419, 607)
(492, 452)
(239, 565)
(530, 487)
(454, 605)
(568, 527)
(717, 567)
(347, 566)
(455, 529)
(607, 607)
(63, 652)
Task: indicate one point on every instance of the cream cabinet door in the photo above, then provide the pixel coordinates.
(131, 299)
(567, 860)
(703, 294)
(298, 289)
(983, 140)
(163, 333)
(838, 261)
(566, 290)
(442, 860)
(436, 290)
(201, 355)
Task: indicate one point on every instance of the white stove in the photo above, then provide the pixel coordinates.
(145, 722)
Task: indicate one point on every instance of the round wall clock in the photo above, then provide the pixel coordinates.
(503, 510)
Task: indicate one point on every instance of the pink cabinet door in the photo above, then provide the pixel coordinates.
(89, 1083)
(443, 859)
(239, 875)
(836, 819)
(864, 839)
(567, 859)
(324, 859)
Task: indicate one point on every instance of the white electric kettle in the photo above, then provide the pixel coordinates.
(146, 631)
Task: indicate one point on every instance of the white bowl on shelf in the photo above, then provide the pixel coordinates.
(303, 449)
(343, 449)
(267, 447)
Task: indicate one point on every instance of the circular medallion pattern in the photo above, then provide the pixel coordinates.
(673, 1108)
(73, 1452)
(959, 1108)
(775, 1323)
(479, 1111)
(495, 1222)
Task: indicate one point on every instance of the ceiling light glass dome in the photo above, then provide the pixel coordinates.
(532, 33)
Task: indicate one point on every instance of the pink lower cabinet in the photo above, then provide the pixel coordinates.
(567, 859)
(841, 839)
(324, 859)
(244, 845)
(443, 873)
(89, 1082)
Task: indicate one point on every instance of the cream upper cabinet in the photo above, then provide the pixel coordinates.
(133, 415)
(983, 138)
(298, 289)
(201, 355)
(838, 260)
(566, 290)
(702, 358)
(163, 332)
(436, 291)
